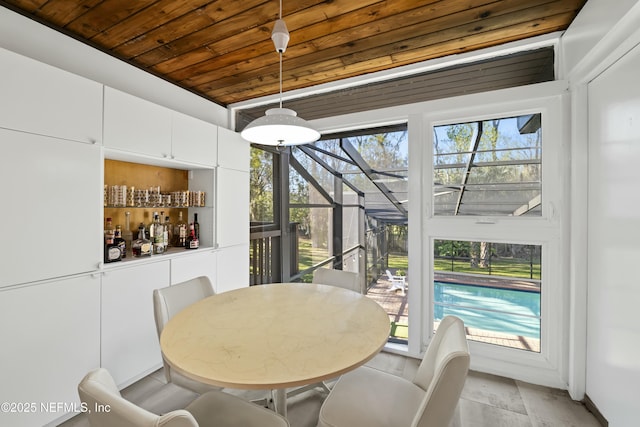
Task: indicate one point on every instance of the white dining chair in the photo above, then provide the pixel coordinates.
(373, 398)
(340, 278)
(169, 301)
(107, 408)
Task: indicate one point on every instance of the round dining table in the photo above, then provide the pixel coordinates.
(275, 336)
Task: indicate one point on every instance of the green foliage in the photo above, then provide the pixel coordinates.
(261, 199)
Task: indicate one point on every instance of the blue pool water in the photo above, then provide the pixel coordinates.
(499, 310)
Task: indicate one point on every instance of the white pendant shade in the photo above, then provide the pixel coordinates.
(280, 127)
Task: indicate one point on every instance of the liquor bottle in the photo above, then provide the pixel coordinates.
(112, 251)
(196, 226)
(108, 231)
(168, 233)
(180, 232)
(157, 235)
(141, 246)
(192, 240)
(150, 231)
(127, 235)
(118, 240)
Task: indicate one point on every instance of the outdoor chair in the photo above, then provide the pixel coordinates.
(373, 398)
(397, 282)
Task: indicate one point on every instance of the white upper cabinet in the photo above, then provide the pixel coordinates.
(51, 209)
(45, 100)
(233, 151)
(136, 125)
(232, 202)
(194, 140)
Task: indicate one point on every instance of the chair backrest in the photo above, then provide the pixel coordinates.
(389, 275)
(442, 373)
(169, 301)
(107, 408)
(340, 278)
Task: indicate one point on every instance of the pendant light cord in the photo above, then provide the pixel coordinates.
(280, 53)
(280, 80)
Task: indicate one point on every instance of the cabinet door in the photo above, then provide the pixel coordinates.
(233, 268)
(194, 140)
(232, 207)
(136, 125)
(130, 346)
(51, 207)
(42, 99)
(50, 340)
(194, 265)
(233, 151)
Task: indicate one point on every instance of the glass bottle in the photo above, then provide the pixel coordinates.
(141, 246)
(119, 241)
(196, 226)
(180, 232)
(168, 233)
(127, 235)
(192, 240)
(150, 231)
(157, 235)
(109, 231)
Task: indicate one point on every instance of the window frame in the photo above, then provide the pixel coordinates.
(546, 230)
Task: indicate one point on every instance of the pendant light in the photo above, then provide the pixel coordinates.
(280, 126)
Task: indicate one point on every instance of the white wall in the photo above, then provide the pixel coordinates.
(28, 38)
(606, 110)
(613, 324)
(593, 22)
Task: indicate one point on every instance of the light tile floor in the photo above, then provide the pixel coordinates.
(486, 400)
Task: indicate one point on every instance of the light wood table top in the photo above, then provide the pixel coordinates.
(275, 336)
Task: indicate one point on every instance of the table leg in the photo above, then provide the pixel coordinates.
(280, 401)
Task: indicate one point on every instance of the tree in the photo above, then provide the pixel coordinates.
(261, 186)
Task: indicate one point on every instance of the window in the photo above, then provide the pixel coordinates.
(488, 167)
(494, 288)
(493, 232)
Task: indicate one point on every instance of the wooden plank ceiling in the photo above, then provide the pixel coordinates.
(222, 49)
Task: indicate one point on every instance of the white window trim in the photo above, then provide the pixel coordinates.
(550, 365)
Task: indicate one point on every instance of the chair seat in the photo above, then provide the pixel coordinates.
(386, 400)
(217, 408)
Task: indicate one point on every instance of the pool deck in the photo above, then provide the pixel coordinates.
(396, 306)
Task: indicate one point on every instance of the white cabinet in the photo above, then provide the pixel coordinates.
(51, 207)
(233, 151)
(192, 266)
(232, 214)
(130, 347)
(194, 140)
(50, 340)
(42, 99)
(233, 268)
(135, 125)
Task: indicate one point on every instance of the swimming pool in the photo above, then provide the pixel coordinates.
(492, 309)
